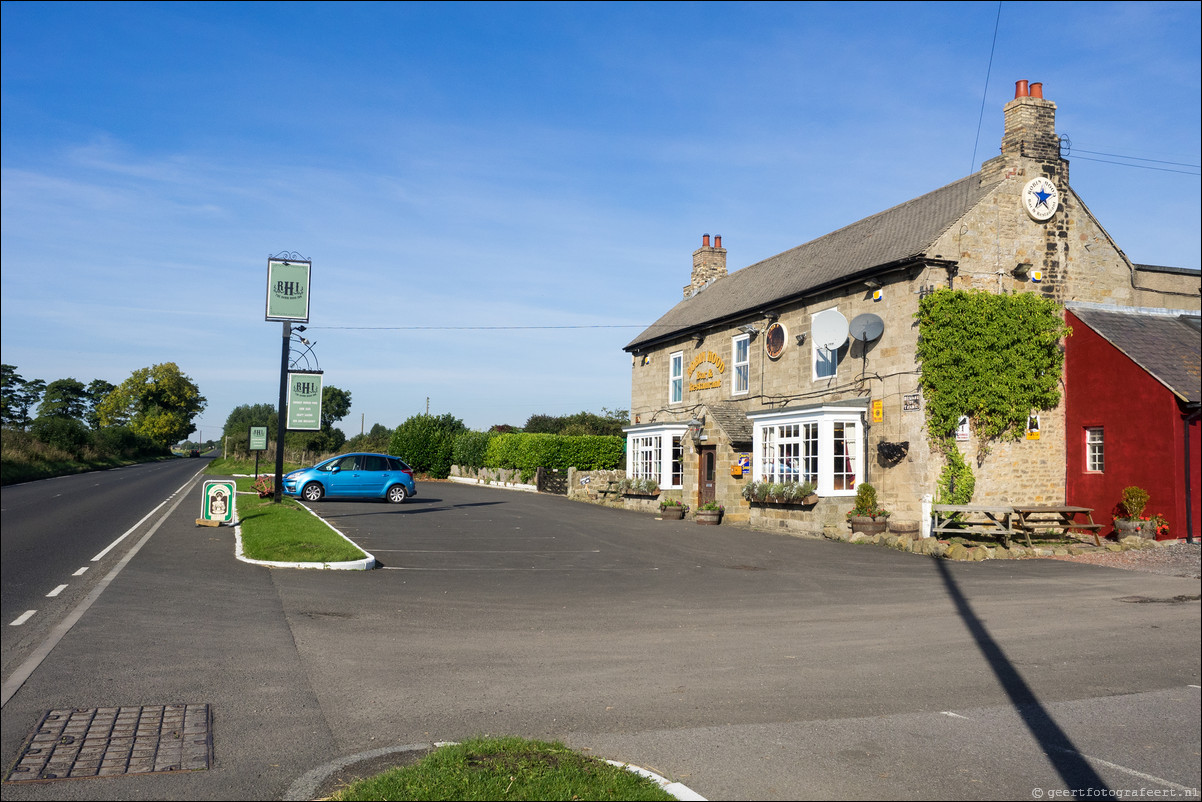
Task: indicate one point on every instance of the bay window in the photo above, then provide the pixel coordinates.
(822, 445)
(657, 453)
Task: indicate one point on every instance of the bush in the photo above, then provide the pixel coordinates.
(527, 452)
(426, 442)
(65, 434)
(471, 448)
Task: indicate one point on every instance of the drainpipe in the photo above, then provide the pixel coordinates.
(1189, 504)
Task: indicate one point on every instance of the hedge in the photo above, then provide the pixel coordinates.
(527, 452)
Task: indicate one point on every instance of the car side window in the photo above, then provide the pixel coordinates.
(396, 464)
(374, 463)
(346, 463)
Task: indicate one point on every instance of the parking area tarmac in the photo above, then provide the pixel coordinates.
(744, 664)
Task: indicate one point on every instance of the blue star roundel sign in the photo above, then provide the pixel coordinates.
(1041, 199)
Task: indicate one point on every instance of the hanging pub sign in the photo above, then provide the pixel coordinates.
(304, 401)
(288, 290)
(257, 438)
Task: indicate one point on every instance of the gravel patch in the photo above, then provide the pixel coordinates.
(1181, 559)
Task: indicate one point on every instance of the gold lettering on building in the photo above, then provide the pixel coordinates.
(706, 379)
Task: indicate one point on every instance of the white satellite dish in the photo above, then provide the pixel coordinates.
(829, 329)
(867, 327)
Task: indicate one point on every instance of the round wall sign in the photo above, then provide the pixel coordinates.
(1041, 198)
(775, 339)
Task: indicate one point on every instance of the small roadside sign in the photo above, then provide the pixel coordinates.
(258, 438)
(217, 503)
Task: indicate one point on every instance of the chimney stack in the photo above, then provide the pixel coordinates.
(709, 264)
(1029, 141)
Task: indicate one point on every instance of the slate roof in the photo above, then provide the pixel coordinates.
(1166, 345)
(892, 237)
(732, 419)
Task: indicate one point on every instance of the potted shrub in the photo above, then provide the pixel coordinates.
(710, 513)
(867, 516)
(672, 509)
(1132, 521)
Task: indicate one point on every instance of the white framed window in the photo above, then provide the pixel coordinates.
(822, 445)
(740, 357)
(1095, 449)
(657, 452)
(676, 378)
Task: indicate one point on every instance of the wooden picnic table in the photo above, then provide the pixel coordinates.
(1055, 516)
(952, 519)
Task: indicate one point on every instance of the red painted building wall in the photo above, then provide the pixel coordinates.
(1144, 434)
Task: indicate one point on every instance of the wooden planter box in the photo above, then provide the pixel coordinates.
(709, 517)
(674, 513)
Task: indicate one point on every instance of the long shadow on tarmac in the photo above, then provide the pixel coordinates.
(1072, 767)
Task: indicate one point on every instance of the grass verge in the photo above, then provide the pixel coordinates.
(286, 532)
(506, 768)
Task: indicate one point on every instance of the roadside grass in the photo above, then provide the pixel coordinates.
(505, 768)
(228, 466)
(286, 532)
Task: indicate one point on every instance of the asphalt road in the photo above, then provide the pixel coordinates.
(744, 664)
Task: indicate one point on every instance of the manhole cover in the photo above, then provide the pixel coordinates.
(111, 741)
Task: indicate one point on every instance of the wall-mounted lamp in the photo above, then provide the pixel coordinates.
(1021, 270)
(698, 338)
(749, 329)
(872, 284)
(695, 429)
(801, 338)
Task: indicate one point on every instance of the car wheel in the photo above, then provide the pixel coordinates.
(397, 494)
(313, 492)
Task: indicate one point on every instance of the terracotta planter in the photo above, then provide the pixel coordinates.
(867, 524)
(675, 513)
(709, 517)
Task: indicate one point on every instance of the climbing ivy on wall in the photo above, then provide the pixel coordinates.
(993, 357)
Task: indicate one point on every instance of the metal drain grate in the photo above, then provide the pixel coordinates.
(112, 741)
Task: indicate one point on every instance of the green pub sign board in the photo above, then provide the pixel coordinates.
(217, 503)
(304, 401)
(258, 438)
(288, 290)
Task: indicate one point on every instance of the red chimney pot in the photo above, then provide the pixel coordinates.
(705, 240)
(717, 240)
(1037, 91)
(1020, 89)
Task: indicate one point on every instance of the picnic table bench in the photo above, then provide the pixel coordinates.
(953, 519)
(1052, 516)
(611, 488)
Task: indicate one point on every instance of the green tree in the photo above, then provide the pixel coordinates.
(335, 405)
(158, 402)
(64, 398)
(17, 396)
(376, 439)
(98, 390)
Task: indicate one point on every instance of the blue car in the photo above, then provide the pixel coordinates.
(353, 476)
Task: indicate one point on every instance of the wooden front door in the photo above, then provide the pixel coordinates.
(707, 474)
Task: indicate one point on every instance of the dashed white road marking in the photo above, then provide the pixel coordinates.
(22, 618)
(56, 591)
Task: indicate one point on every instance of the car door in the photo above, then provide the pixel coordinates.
(343, 477)
(374, 475)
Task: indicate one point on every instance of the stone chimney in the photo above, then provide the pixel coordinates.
(1030, 145)
(709, 264)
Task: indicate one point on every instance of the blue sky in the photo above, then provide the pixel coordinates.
(455, 168)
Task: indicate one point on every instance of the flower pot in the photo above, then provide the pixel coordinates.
(675, 513)
(1125, 527)
(709, 517)
(867, 524)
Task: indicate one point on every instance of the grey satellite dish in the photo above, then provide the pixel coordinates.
(867, 327)
(829, 329)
